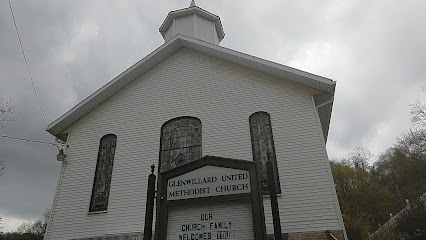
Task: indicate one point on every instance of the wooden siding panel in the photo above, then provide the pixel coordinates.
(222, 96)
(205, 30)
(169, 33)
(184, 25)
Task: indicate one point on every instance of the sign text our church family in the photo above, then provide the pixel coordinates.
(212, 184)
(207, 228)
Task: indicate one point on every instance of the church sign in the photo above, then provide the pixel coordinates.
(211, 198)
(208, 181)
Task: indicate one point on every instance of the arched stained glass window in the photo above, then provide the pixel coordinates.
(262, 143)
(102, 182)
(180, 142)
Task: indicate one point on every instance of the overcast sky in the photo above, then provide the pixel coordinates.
(375, 50)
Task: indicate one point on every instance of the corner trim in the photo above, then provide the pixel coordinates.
(330, 174)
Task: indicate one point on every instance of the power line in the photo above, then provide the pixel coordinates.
(30, 140)
(26, 63)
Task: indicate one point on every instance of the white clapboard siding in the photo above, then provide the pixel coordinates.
(223, 96)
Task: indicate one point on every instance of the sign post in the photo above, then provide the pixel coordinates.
(274, 202)
(211, 198)
(150, 195)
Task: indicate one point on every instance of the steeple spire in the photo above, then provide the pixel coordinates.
(192, 4)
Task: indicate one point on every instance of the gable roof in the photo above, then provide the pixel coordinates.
(157, 56)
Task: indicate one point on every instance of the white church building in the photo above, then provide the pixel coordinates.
(187, 99)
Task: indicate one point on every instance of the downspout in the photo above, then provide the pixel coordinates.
(331, 235)
(325, 103)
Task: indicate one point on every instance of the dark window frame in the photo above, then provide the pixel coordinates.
(92, 207)
(273, 154)
(161, 137)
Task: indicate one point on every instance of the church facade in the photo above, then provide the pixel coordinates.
(188, 99)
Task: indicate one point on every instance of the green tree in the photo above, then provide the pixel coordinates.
(413, 225)
(402, 168)
(363, 201)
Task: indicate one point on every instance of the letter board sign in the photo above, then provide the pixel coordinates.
(208, 181)
(211, 198)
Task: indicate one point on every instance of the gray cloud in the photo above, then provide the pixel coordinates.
(374, 49)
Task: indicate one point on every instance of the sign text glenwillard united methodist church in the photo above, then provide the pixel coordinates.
(213, 185)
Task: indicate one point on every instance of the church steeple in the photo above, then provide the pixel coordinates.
(193, 22)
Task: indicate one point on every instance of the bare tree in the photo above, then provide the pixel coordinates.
(6, 110)
(418, 112)
(2, 167)
(360, 157)
(32, 230)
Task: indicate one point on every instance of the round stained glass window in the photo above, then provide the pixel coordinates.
(180, 159)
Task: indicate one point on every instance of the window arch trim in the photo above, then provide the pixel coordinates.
(273, 153)
(161, 137)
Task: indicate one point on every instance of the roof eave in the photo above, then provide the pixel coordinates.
(135, 71)
(168, 48)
